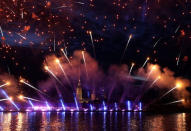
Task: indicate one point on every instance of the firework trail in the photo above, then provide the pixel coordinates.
(157, 79)
(130, 37)
(21, 36)
(66, 56)
(178, 59)
(92, 41)
(65, 75)
(1, 31)
(156, 43)
(132, 65)
(47, 69)
(22, 81)
(178, 85)
(177, 29)
(7, 83)
(178, 101)
(83, 55)
(145, 62)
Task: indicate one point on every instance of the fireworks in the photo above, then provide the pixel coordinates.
(178, 85)
(47, 69)
(10, 99)
(24, 82)
(158, 78)
(148, 58)
(21, 97)
(50, 27)
(178, 101)
(130, 37)
(66, 56)
(132, 65)
(83, 55)
(6, 84)
(65, 75)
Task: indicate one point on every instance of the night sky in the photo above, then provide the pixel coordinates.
(34, 29)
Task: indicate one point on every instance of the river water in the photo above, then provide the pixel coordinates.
(96, 121)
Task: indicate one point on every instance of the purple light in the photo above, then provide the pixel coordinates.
(5, 94)
(116, 108)
(91, 107)
(30, 102)
(1, 108)
(128, 105)
(104, 106)
(47, 105)
(63, 107)
(140, 106)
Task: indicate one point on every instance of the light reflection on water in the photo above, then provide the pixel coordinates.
(86, 121)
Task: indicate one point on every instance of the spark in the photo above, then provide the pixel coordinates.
(6, 84)
(63, 6)
(21, 97)
(177, 29)
(132, 65)
(47, 69)
(80, 3)
(156, 43)
(3, 99)
(130, 37)
(22, 81)
(90, 33)
(66, 56)
(65, 75)
(152, 69)
(1, 31)
(158, 78)
(83, 55)
(21, 36)
(178, 85)
(178, 59)
(148, 58)
(178, 101)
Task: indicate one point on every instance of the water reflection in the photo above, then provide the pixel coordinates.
(86, 121)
